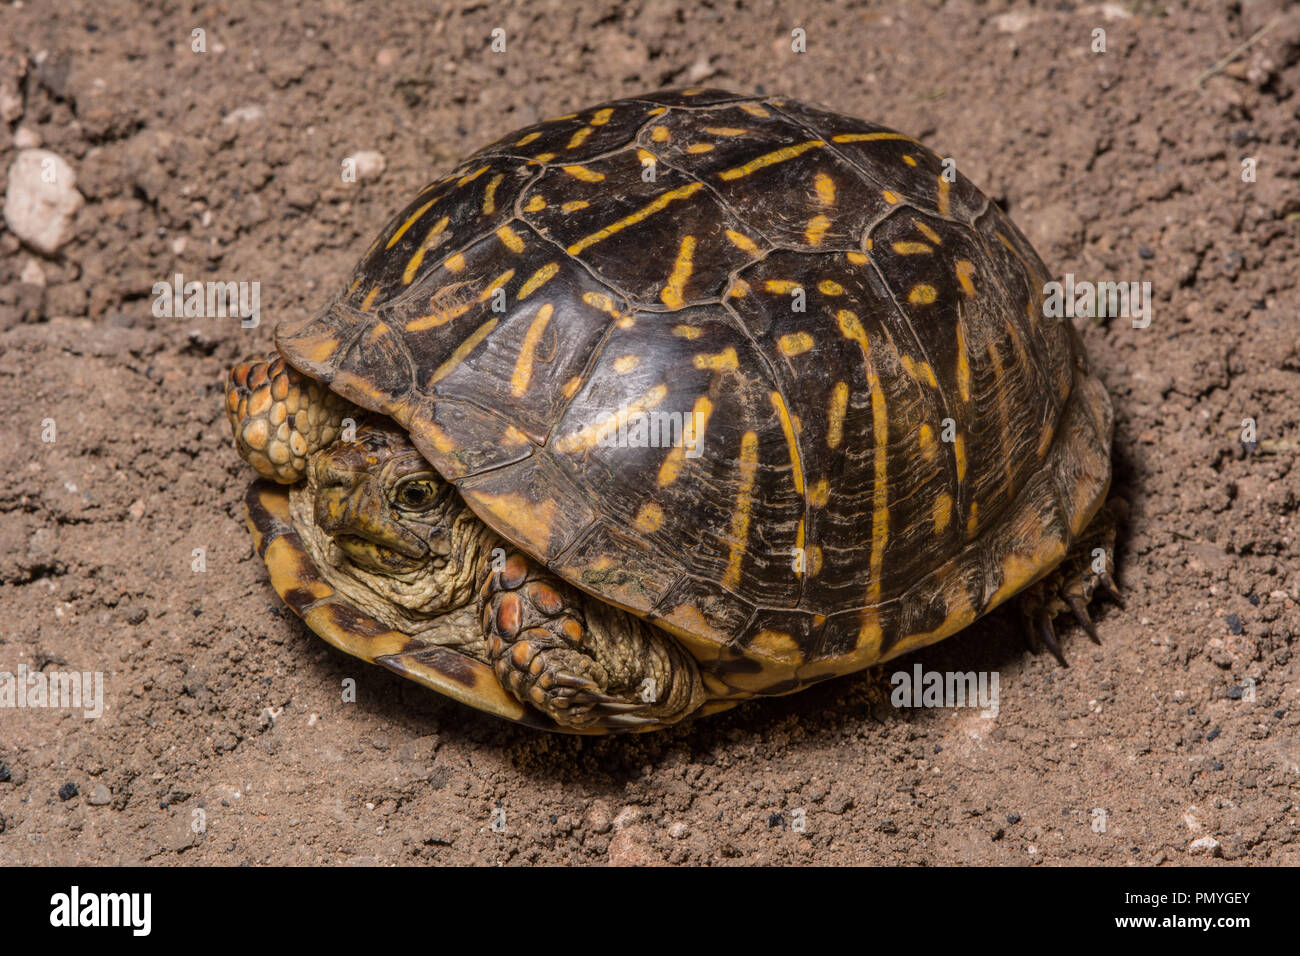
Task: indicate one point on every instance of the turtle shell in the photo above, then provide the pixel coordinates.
(775, 379)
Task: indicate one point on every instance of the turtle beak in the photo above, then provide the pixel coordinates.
(351, 508)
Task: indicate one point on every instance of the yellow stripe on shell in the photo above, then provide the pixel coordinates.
(963, 366)
(462, 351)
(795, 343)
(470, 177)
(538, 279)
(965, 269)
(926, 231)
(747, 464)
(942, 512)
(912, 248)
(770, 159)
(818, 226)
(792, 444)
(691, 436)
(724, 361)
(584, 174)
(426, 244)
(649, 518)
(672, 294)
(871, 138)
(781, 286)
(742, 242)
(920, 371)
(523, 371)
(851, 328)
(414, 217)
(928, 447)
(587, 438)
(510, 239)
(835, 417)
(825, 188)
(490, 194)
(645, 212)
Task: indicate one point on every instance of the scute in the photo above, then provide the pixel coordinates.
(877, 469)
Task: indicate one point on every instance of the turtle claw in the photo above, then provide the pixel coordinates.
(612, 705)
(1107, 586)
(583, 685)
(1047, 634)
(627, 721)
(1080, 609)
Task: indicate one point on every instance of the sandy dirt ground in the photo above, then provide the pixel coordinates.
(224, 739)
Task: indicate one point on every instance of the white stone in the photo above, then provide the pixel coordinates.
(1014, 21)
(1203, 845)
(32, 273)
(42, 200)
(368, 163)
(26, 138)
(244, 114)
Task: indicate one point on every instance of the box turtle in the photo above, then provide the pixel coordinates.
(672, 402)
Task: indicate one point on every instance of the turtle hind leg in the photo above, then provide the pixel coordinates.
(586, 665)
(1086, 572)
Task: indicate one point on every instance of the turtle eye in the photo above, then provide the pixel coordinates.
(416, 494)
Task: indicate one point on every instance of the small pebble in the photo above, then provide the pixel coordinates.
(369, 164)
(68, 791)
(42, 200)
(1203, 845)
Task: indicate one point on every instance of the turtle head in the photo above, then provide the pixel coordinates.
(382, 504)
(380, 523)
(386, 529)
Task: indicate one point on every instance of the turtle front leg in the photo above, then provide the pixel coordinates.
(280, 417)
(586, 665)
